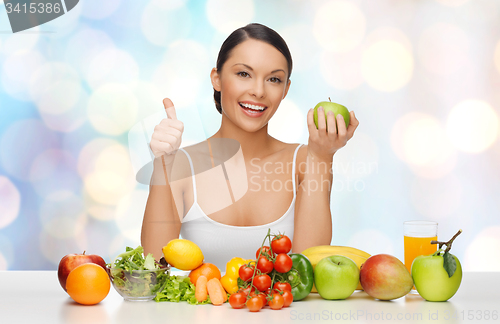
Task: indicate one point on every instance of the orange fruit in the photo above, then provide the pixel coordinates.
(208, 270)
(88, 284)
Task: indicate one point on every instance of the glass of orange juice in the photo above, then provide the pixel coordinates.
(418, 235)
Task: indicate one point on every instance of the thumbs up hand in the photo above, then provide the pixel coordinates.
(167, 135)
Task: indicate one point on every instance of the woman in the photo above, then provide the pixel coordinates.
(251, 79)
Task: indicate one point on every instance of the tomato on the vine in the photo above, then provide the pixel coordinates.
(254, 304)
(265, 265)
(261, 295)
(281, 244)
(277, 301)
(287, 297)
(237, 300)
(265, 250)
(262, 282)
(246, 272)
(283, 263)
(283, 286)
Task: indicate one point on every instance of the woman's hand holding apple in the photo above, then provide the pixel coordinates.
(325, 140)
(167, 135)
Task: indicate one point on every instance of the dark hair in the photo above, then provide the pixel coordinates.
(253, 31)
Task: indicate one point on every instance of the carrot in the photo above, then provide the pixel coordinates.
(216, 292)
(201, 289)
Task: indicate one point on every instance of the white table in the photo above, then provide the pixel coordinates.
(37, 297)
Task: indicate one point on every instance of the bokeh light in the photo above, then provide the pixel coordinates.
(54, 172)
(227, 15)
(10, 202)
(443, 48)
(288, 122)
(452, 3)
(3, 262)
(436, 199)
(129, 213)
(112, 175)
(17, 70)
(342, 70)
(497, 56)
(54, 249)
(21, 143)
(358, 159)
(81, 94)
(84, 46)
(183, 69)
(379, 241)
(112, 109)
(421, 141)
(99, 10)
(13, 43)
(339, 25)
(483, 253)
(158, 23)
(62, 215)
(112, 66)
(387, 65)
(472, 126)
(55, 88)
(300, 40)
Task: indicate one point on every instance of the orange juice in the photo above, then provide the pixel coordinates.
(415, 246)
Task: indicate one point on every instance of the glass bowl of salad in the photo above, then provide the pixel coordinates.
(137, 278)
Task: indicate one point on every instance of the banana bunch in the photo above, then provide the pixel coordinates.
(316, 253)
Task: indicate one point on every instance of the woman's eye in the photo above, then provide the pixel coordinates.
(243, 74)
(275, 80)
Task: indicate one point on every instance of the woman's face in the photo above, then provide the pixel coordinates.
(253, 81)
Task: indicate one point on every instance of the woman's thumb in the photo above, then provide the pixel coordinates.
(169, 108)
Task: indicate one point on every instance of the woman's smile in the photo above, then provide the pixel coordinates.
(252, 109)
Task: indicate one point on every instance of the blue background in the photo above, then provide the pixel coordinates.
(422, 77)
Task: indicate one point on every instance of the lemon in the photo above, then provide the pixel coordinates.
(183, 254)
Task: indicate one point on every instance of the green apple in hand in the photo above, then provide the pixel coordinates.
(336, 277)
(336, 108)
(437, 276)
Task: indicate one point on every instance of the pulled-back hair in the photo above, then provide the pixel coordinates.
(250, 31)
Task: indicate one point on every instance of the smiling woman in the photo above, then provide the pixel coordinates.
(202, 204)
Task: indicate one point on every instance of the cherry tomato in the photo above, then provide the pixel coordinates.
(254, 304)
(247, 290)
(277, 301)
(261, 295)
(265, 265)
(262, 282)
(283, 286)
(238, 300)
(288, 298)
(265, 249)
(281, 244)
(245, 272)
(283, 263)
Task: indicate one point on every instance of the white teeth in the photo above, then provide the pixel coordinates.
(252, 106)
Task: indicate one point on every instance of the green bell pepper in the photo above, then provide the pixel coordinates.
(301, 276)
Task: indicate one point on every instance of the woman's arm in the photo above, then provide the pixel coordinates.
(161, 221)
(313, 218)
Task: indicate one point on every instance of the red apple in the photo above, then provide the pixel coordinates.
(385, 277)
(71, 261)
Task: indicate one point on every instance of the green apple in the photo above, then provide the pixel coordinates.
(432, 280)
(336, 108)
(336, 277)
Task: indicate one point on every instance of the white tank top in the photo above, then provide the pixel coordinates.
(221, 242)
